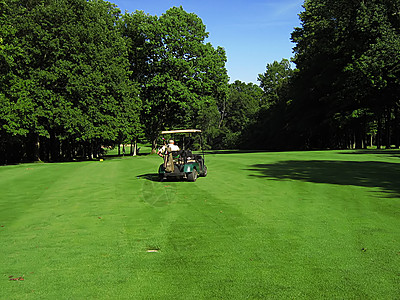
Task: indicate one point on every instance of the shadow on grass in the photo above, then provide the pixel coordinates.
(365, 174)
(233, 151)
(151, 177)
(384, 153)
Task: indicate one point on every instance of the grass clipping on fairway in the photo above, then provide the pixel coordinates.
(301, 225)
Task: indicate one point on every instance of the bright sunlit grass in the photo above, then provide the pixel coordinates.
(301, 225)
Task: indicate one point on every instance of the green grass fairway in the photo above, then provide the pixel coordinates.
(294, 225)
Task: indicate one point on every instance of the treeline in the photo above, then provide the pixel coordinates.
(64, 80)
(78, 75)
(344, 92)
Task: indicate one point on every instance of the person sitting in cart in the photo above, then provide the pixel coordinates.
(171, 145)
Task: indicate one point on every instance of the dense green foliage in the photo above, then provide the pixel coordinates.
(344, 91)
(283, 225)
(237, 113)
(270, 126)
(77, 75)
(66, 89)
(275, 81)
(182, 78)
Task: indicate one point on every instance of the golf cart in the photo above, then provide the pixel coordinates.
(182, 164)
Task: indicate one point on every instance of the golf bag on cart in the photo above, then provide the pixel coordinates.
(168, 160)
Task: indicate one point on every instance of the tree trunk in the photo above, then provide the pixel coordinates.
(388, 129)
(134, 143)
(379, 134)
(36, 148)
(396, 127)
(154, 146)
(54, 147)
(67, 149)
(91, 150)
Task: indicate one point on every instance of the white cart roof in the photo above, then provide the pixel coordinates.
(181, 131)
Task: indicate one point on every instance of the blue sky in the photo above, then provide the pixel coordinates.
(253, 32)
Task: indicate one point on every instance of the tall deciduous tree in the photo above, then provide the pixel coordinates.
(379, 65)
(242, 104)
(71, 80)
(180, 76)
(346, 64)
(269, 126)
(275, 80)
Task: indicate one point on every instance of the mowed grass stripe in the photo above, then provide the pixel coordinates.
(329, 224)
(60, 231)
(257, 226)
(306, 226)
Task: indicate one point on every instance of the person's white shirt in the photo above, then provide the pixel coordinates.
(170, 145)
(173, 147)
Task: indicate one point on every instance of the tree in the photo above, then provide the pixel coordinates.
(71, 81)
(14, 115)
(275, 80)
(180, 75)
(343, 60)
(242, 104)
(268, 126)
(379, 64)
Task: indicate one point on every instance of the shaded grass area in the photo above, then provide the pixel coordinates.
(321, 224)
(357, 173)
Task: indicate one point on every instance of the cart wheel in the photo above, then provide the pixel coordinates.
(192, 176)
(204, 171)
